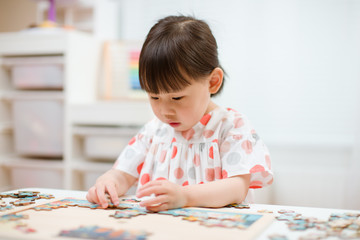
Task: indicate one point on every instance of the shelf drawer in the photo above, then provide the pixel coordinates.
(36, 72)
(38, 127)
(106, 148)
(23, 177)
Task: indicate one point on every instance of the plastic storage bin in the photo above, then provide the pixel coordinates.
(23, 177)
(36, 72)
(104, 147)
(38, 127)
(105, 143)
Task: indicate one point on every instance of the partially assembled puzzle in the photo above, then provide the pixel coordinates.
(26, 218)
(77, 218)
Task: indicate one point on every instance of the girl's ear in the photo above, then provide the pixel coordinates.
(216, 80)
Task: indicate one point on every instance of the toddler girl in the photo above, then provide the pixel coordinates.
(194, 153)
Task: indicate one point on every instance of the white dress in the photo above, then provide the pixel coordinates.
(223, 144)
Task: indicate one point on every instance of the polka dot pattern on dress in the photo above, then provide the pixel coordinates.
(139, 167)
(132, 140)
(145, 178)
(174, 152)
(178, 173)
(205, 119)
(188, 134)
(247, 146)
(221, 145)
(209, 174)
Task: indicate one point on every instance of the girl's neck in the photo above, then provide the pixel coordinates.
(211, 107)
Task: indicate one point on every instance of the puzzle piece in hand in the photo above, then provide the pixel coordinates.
(125, 203)
(95, 232)
(238, 206)
(130, 200)
(128, 213)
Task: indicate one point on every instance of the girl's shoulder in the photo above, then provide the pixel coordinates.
(228, 116)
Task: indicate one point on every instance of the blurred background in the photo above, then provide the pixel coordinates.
(292, 67)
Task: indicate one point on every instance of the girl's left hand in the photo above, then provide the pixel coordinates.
(168, 195)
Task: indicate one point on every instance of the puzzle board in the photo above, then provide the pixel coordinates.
(48, 224)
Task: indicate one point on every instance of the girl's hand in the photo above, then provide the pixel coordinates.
(113, 183)
(167, 195)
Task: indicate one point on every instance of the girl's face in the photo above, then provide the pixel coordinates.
(183, 109)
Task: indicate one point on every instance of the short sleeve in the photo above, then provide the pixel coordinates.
(243, 152)
(132, 157)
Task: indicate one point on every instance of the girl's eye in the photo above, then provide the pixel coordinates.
(177, 98)
(154, 98)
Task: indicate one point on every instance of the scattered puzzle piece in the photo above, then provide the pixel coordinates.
(338, 226)
(2, 203)
(215, 218)
(22, 202)
(13, 217)
(277, 237)
(282, 211)
(46, 196)
(24, 228)
(264, 211)
(96, 232)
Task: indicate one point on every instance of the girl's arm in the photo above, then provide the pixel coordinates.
(212, 194)
(218, 193)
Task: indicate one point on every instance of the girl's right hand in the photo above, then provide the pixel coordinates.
(114, 183)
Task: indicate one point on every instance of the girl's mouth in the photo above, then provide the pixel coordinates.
(174, 124)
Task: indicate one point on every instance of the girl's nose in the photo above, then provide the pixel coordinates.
(167, 110)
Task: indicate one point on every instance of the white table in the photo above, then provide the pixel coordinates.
(276, 227)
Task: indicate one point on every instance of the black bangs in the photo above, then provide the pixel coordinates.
(160, 69)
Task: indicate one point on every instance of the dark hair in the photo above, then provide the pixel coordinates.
(177, 49)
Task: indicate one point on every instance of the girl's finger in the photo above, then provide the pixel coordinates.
(100, 193)
(158, 208)
(156, 190)
(156, 201)
(150, 184)
(91, 195)
(111, 190)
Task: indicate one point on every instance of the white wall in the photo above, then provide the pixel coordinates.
(293, 68)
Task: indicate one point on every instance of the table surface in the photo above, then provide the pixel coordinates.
(276, 227)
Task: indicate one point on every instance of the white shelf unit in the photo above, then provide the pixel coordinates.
(109, 125)
(84, 115)
(80, 53)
